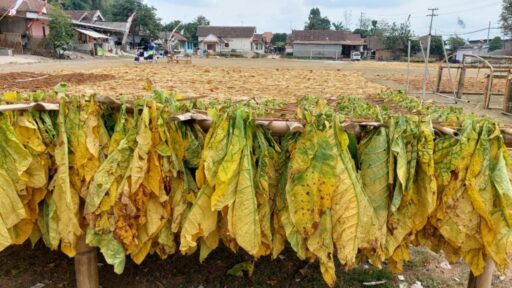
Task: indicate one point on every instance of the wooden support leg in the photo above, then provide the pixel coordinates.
(86, 265)
(508, 95)
(439, 79)
(483, 280)
(460, 88)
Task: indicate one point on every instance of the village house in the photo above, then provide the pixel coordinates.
(23, 31)
(229, 39)
(94, 34)
(375, 49)
(325, 43)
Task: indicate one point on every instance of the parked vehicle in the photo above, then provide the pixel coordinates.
(355, 56)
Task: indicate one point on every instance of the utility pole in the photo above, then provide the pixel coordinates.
(488, 36)
(361, 21)
(431, 15)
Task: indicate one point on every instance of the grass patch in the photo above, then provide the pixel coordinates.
(357, 276)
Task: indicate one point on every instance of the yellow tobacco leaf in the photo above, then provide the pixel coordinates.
(28, 134)
(139, 164)
(66, 199)
(321, 245)
(229, 169)
(200, 221)
(246, 223)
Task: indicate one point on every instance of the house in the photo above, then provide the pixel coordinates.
(93, 31)
(375, 49)
(177, 40)
(227, 39)
(23, 31)
(258, 43)
(85, 16)
(325, 43)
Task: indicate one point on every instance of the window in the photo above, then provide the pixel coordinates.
(226, 45)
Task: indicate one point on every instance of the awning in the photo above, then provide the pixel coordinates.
(91, 33)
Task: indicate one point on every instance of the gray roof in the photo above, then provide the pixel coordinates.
(326, 37)
(113, 25)
(226, 31)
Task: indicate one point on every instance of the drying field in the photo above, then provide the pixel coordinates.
(202, 80)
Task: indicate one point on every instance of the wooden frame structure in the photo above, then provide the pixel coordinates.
(497, 67)
(86, 259)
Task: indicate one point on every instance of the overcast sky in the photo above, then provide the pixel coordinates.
(285, 15)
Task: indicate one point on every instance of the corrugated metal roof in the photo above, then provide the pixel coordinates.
(91, 33)
(326, 37)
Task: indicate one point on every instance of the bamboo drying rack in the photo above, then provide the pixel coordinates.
(86, 266)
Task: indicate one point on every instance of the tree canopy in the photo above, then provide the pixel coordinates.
(455, 42)
(338, 26)
(506, 17)
(145, 20)
(316, 21)
(279, 39)
(495, 43)
(62, 31)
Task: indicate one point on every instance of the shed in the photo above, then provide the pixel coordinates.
(325, 43)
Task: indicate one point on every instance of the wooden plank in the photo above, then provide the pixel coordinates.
(86, 265)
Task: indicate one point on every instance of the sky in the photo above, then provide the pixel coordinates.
(454, 16)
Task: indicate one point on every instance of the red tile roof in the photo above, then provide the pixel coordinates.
(226, 31)
(26, 6)
(267, 36)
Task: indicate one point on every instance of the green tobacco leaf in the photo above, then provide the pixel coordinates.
(239, 269)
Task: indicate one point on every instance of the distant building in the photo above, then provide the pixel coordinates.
(375, 49)
(179, 42)
(325, 43)
(23, 31)
(93, 31)
(229, 39)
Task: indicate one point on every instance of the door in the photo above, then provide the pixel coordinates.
(211, 47)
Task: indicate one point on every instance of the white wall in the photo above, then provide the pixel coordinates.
(239, 44)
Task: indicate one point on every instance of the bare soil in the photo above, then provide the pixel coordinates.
(30, 81)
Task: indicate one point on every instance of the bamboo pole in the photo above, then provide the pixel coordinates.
(483, 280)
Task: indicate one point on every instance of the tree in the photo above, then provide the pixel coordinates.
(316, 21)
(61, 31)
(436, 46)
(171, 25)
(279, 39)
(190, 29)
(506, 17)
(495, 43)
(145, 22)
(338, 26)
(364, 33)
(103, 5)
(396, 37)
(455, 42)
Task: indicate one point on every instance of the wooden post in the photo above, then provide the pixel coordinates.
(439, 78)
(460, 88)
(86, 265)
(508, 95)
(488, 91)
(483, 280)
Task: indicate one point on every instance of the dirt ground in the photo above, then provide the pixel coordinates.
(22, 266)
